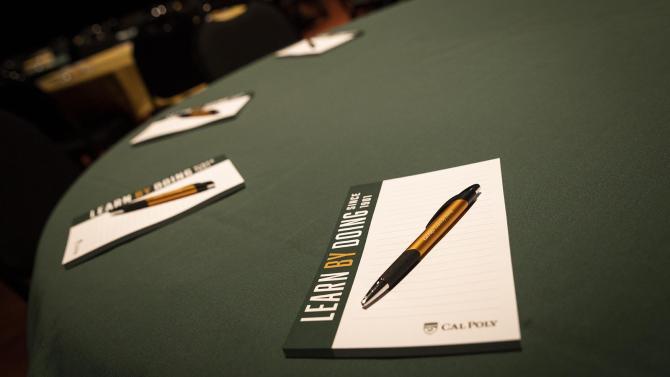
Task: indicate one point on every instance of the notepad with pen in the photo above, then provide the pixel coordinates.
(193, 117)
(130, 215)
(319, 44)
(440, 240)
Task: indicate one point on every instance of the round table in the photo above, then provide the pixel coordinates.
(571, 95)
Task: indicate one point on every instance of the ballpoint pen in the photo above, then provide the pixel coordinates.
(445, 218)
(166, 197)
(197, 111)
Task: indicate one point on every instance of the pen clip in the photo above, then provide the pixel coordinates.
(445, 205)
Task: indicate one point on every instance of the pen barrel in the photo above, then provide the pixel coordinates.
(437, 228)
(198, 111)
(401, 267)
(186, 191)
(168, 196)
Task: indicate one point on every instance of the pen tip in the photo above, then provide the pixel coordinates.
(378, 290)
(470, 194)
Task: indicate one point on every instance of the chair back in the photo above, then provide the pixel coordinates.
(164, 54)
(223, 47)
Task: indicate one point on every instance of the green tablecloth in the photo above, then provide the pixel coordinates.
(573, 96)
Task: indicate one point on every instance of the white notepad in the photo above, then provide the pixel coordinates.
(321, 43)
(459, 298)
(466, 277)
(225, 108)
(100, 230)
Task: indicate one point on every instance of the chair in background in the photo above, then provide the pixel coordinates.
(84, 138)
(225, 46)
(164, 54)
(359, 8)
(35, 175)
(26, 101)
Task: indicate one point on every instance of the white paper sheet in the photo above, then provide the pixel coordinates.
(462, 292)
(322, 43)
(225, 107)
(92, 235)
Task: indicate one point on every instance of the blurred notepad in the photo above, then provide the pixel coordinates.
(99, 230)
(459, 298)
(320, 44)
(223, 108)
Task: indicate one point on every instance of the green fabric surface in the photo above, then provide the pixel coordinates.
(573, 96)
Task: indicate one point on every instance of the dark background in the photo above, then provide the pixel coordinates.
(27, 25)
(61, 135)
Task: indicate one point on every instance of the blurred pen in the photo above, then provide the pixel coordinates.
(164, 198)
(197, 111)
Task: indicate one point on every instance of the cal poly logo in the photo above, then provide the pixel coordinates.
(430, 327)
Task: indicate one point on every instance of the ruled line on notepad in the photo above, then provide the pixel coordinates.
(435, 298)
(447, 286)
(395, 311)
(453, 276)
(467, 267)
(422, 315)
(394, 308)
(438, 256)
(450, 258)
(464, 229)
(408, 237)
(450, 245)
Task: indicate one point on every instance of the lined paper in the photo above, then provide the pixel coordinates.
(106, 228)
(322, 43)
(466, 278)
(226, 107)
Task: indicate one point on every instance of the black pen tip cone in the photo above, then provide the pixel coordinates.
(378, 290)
(470, 194)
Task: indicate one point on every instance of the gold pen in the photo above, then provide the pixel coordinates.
(197, 111)
(166, 197)
(445, 218)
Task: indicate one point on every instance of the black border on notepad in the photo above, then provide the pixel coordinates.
(400, 352)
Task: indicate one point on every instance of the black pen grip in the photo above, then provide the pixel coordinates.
(401, 267)
(134, 206)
